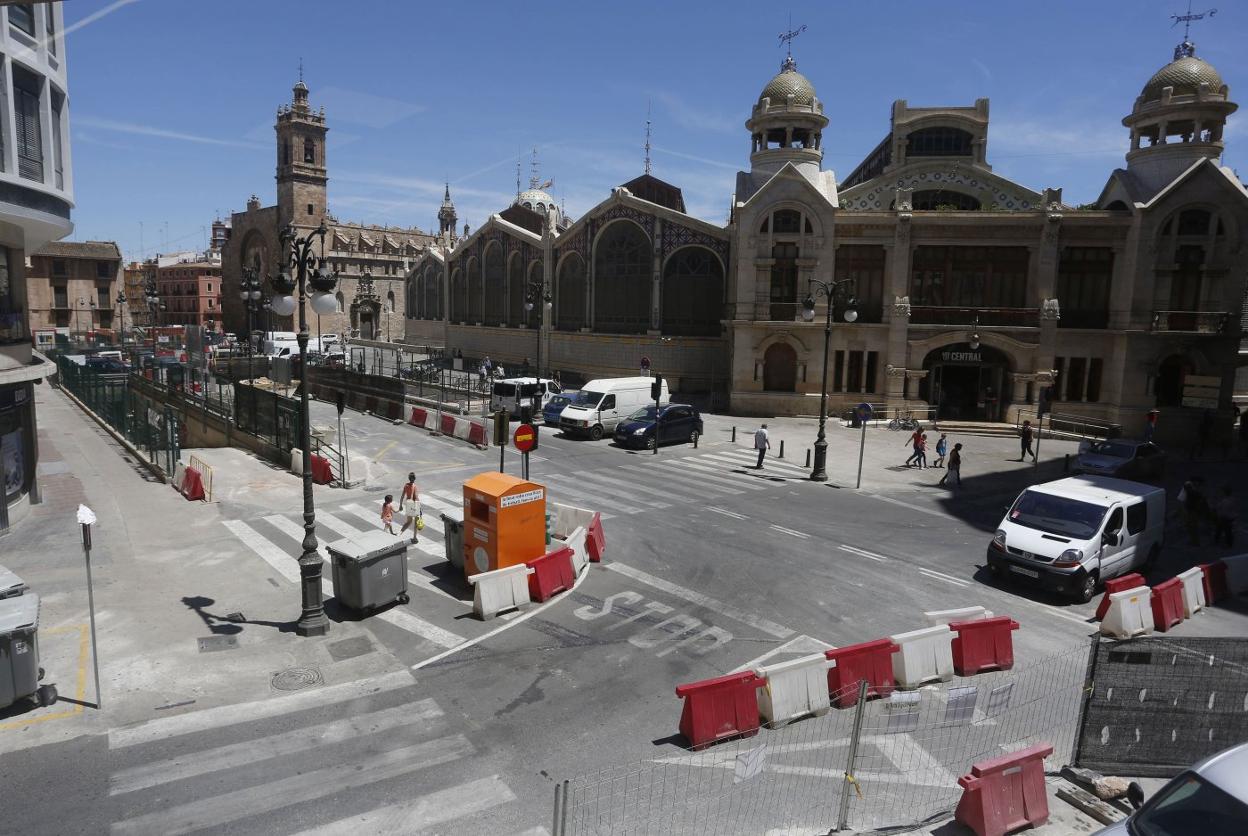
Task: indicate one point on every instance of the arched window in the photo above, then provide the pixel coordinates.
(570, 294)
(623, 267)
(787, 222)
(1117, 206)
(495, 285)
(693, 293)
(1185, 282)
(1171, 374)
(1194, 222)
(433, 291)
(515, 290)
(390, 301)
(938, 142)
(459, 296)
(341, 302)
(309, 152)
(411, 301)
(476, 298)
(940, 199)
(780, 368)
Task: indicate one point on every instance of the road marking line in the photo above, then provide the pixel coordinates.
(692, 480)
(803, 644)
(790, 532)
(940, 576)
(727, 513)
(296, 789)
(190, 764)
(383, 451)
(282, 563)
(295, 532)
(633, 486)
(615, 486)
(715, 475)
(745, 459)
(416, 814)
(222, 716)
(861, 552)
(570, 485)
(338, 526)
(404, 620)
(84, 654)
(771, 628)
(909, 505)
(454, 500)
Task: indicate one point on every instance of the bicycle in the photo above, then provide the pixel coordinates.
(903, 421)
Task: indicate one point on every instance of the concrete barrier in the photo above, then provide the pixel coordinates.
(1193, 591)
(937, 617)
(1129, 614)
(923, 656)
(568, 518)
(296, 461)
(580, 553)
(793, 689)
(500, 590)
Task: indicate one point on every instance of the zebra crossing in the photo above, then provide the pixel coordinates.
(361, 749)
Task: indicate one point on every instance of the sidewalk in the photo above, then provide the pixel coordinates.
(165, 580)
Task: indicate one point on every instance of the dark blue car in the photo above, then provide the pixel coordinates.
(554, 406)
(677, 424)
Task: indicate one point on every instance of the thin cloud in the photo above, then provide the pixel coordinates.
(692, 118)
(1029, 138)
(360, 108)
(92, 18)
(982, 67)
(160, 133)
(696, 159)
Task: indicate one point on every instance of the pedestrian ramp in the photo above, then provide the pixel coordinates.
(337, 759)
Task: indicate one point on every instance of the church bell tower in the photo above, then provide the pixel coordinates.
(301, 176)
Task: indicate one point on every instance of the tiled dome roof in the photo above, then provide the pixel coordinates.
(789, 82)
(1185, 75)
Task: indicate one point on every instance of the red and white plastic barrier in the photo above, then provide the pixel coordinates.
(1193, 581)
(937, 617)
(463, 427)
(923, 656)
(1006, 793)
(1129, 613)
(793, 689)
(500, 590)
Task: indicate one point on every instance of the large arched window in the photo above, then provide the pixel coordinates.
(623, 267)
(433, 291)
(942, 199)
(411, 291)
(1171, 374)
(495, 284)
(570, 294)
(693, 293)
(476, 300)
(390, 301)
(1185, 282)
(515, 290)
(459, 296)
(1194, 222)
(309, 152)
(783, 282)
(340, 301)
(780, 368)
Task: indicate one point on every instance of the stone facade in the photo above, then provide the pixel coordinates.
(972, 292)
(73, 286)
(191, 291)
(356, 251)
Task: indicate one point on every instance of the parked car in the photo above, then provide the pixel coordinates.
(1073, 534)
(1209, 799)
(554, 407)
(676, 423)
(1123, 458)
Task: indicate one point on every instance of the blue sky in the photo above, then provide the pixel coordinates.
(172, 101)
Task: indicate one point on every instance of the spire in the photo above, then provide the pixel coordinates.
(535, 179)
(1187, 49)
(647, 136)
(786, 40)
(517, 174)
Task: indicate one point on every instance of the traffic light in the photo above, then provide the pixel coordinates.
(526, 414)
(501, 427)
(656, 388)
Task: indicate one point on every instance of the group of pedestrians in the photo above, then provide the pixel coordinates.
(409, 507)
(918, 457)
(1200, 510)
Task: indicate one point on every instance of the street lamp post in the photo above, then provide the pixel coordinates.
(832, 291)
(310, 270)
(250, 293)
(537, 292)
(121, 311)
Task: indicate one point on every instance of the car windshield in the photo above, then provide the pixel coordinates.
(1190, 805)
(504, 390)
(1057, 514)
(588, 398)
(646, 413)
(1114, 449)
(558, 400)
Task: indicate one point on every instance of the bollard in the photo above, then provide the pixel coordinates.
(781, 449)
(695, 440)
(1066, 464)
(734, 435)
(808, 457)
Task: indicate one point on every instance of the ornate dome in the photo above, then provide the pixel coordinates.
(532, 197)
(1185, 74)
(789, 82)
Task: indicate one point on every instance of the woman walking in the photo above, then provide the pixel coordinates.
(409, 505)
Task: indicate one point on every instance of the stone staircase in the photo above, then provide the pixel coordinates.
(988, 428)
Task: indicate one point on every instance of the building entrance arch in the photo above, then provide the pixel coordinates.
(967, 384)
(780, 368)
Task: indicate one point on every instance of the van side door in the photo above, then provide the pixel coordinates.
(607, 412)
(1137, 534)
(1115, 549)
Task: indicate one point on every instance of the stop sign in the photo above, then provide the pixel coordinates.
(525, 438)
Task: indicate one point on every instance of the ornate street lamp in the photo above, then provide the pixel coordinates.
(310, 272)
(832, 291)
(250, 292)
(121, 310)
(537, 292)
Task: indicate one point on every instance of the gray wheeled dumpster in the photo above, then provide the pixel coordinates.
(370, 569)
(19, 653)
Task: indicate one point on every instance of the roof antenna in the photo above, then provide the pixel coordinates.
(517, 174)
(647, 136)
(535, 179)
(301, 69)
(1187, 48)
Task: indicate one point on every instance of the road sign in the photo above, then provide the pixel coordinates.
(864, 411)
(525, 438)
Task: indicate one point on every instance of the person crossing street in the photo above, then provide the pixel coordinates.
(762, 443)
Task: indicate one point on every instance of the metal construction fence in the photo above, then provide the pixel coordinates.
(885, 763)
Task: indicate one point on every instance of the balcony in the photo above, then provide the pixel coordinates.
(996, 317)
(1191, 322)
(1084, 319)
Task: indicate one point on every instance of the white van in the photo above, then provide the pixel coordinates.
(601, 404)
(1072, 534)
(513, 392)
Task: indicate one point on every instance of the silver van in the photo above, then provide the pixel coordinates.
(1071, 535)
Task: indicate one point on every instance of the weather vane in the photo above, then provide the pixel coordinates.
(786, 38)
(1187, 19)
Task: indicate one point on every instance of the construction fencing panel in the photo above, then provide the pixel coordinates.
(1160, 704)
(891, 762)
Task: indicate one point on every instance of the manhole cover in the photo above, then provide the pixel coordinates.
(211, 643)
(296, 679)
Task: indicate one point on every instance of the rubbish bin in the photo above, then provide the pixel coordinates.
(370, 569)
(19, 653)
(10, 584)
(453, 536)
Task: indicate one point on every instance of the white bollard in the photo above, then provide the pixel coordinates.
(580, 553)
(937, 617)
(1130, 613)
(500, 590)
(296, 461)
(796, 688)
(1193, 590)
(923, 656)
(179, 476)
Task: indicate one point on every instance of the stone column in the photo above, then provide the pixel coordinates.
(656, 282)
(1048, 258)
(897, 296)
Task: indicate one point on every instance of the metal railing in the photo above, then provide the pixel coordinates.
(1069, 424)
(1191, 322)
(988, 317)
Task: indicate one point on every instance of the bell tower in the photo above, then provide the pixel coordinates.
(301, 176)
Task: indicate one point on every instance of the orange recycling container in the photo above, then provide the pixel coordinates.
(504, 522)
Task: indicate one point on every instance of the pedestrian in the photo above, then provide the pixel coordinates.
(955, 467)
(1150, 424)
(762, 443)
(922, 451)
(387, 514)
(942, 447)
(482, 371)
(409, 504)
(555, 377)
(914, 440)
(489, 365)
(1225, 513)
(1024, 440)
(1195, 507)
